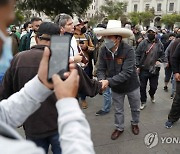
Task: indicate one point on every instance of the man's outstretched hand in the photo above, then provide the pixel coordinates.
(105, 84)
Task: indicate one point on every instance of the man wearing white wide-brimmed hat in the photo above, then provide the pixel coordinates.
(117, 70)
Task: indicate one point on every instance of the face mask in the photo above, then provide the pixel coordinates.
(109, 44)
(151, 37)
(99, 37)
(83, 30)
(6, 56)
(28, 30)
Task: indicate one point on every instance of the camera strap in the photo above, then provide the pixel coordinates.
(145, 54)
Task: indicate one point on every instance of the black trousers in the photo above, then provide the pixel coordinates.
(174, 114)
(144, 76)
(168, 74)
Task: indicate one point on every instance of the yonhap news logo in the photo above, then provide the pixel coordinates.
(151, 140)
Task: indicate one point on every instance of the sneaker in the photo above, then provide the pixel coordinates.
(172, 96)
(153, 99)
(169, 124)
(143, 105)
(165, 88)
(101, 113)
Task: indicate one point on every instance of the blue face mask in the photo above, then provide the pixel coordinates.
(6, 56)
(109, 43)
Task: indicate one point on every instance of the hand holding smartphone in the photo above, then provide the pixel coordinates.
(59, 59)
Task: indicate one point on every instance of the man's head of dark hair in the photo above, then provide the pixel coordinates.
(102, 25)
(26, 24)
(172, 34)
(35, 19)
(48, 29)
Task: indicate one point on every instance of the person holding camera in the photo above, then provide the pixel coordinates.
(41, 127)
(19, 106)
(149, 56)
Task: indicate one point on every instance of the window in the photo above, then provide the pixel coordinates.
(92, 15)
(135, 7)
(171, 7)
(159, 6)
(147, 7)
(92, 7)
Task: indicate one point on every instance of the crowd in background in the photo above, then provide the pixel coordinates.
(154, 48)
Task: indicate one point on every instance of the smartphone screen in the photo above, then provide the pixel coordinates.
(59, 60)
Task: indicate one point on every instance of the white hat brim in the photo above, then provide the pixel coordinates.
(125, 33)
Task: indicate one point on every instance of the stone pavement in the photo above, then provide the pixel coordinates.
(152, 119)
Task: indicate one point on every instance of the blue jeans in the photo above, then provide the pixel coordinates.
(107, 100)
(173, 81)
(174, 114)
(52, 140)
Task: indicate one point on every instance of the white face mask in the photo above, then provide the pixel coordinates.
(99, 37)
(29, 29)
(6, 56)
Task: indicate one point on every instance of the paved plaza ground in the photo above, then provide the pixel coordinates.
(152, 119)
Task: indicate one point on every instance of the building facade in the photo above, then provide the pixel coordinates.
(161, 7)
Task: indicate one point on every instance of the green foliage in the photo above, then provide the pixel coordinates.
(113, 10)
(134, 17)
(98, 17)
(141, 17)
(170, 19)
(19, 17)
(54, 7)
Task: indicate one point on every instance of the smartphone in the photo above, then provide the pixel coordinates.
(59, 59)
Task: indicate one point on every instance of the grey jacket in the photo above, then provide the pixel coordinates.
(119, 68)
(157, 49)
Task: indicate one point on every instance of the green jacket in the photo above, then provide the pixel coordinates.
(25, 42)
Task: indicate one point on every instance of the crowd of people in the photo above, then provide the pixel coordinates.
(110, 60)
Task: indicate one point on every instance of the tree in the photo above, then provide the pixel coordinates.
(19, 17)
(54, 7)
(113, 10)
(170, 19)
(146, 17)
(97, 18)
(141, 17)
(134, 17)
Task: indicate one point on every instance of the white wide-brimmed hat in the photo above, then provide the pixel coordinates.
(114, 28)
(98, 29)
